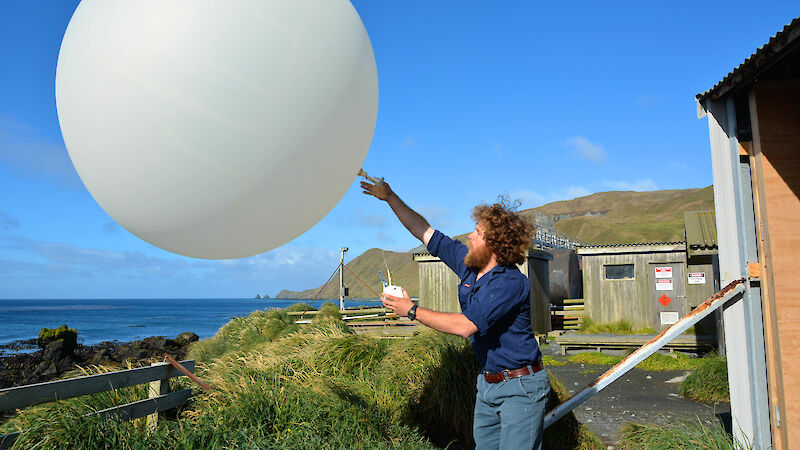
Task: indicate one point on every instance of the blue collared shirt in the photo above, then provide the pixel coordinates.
(498, 304)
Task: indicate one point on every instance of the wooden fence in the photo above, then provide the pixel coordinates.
(377, 322)
(159, 398)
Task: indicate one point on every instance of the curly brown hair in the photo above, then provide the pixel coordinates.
(506, 232)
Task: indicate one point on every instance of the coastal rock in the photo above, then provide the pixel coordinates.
(68, 336)
(187, 338)
(56, 358)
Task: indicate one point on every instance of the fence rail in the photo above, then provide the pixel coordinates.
(159, 400)
(546, 238)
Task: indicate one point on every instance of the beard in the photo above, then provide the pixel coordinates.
(477, 258)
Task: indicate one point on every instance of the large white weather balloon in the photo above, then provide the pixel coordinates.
(217, 128)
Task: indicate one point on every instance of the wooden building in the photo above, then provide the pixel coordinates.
(651, 285)
(754, 126)
(438, 286)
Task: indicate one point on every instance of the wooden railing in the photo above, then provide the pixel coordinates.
(159, 398)
(376, 322)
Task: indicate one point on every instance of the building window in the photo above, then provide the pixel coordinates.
(619, 272)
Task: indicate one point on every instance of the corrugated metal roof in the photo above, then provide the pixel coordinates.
(701, 232)
(765, 56)
(633, 244)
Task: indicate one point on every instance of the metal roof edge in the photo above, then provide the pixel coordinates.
(762, 59)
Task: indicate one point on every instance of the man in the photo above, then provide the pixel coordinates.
(495, 314)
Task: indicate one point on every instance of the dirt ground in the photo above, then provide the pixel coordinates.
(638, 396)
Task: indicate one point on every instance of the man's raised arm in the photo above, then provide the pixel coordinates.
(415, 223)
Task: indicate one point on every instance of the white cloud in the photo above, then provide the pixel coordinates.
(678, 166)
(645, 184)
(528, 198)
(26, 152)
(531, 199)
(644, 101)
(385, 238)
(7, 222)
(577, 191)
(585, 149)
(110, 227)
(436, 215)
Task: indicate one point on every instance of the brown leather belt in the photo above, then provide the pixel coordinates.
(514, 373)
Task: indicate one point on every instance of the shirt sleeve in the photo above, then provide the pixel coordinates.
(494, 304)
(450, 251)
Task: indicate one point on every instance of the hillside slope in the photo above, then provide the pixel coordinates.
(602, 218)
(624, 217)
(365, 266)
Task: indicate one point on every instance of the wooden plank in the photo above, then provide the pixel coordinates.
(34, 394)
(349, 312)
(754, 270)
(569, 301)
(148, 406)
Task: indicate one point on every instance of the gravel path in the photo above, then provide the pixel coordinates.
(638, 396)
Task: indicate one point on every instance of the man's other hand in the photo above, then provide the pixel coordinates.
(398, 305)
(380, 190)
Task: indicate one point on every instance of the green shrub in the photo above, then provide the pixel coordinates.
(708, 382)
(279, 385)
(68, 335)
(681, 435)
(655, 362)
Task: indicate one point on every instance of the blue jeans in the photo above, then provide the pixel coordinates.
(510, 414)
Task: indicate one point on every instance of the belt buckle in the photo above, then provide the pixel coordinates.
(505, 374)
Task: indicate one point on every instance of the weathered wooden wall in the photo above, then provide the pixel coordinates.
(775, 117)
(634, 300)
(438, 285)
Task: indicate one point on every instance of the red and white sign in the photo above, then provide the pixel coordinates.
(697, 278)
(664, 272)
(664, 284)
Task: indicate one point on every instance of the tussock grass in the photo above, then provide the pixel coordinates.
(548, 360)
(681, 435)
(589, 326)
(655, 362)
(278, 385)
(708, 382)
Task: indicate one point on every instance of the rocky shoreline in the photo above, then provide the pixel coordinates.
(54, 359)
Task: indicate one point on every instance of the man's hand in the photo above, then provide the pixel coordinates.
(380, 189)
(398, 305)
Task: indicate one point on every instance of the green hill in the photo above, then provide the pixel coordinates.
(365, 266)
(602, 218)
(624, 217)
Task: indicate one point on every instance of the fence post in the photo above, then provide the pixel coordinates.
(155, 389)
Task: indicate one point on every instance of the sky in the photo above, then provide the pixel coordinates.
(541, 101)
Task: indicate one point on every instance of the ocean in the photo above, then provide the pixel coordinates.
(99, 320)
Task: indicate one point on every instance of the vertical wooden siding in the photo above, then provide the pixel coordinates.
(632, 300)
(775, 117)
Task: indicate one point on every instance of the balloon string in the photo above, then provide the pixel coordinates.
(308, 308)
(362, 282)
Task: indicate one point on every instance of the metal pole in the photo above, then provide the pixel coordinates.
(706, 308)
(341, 277)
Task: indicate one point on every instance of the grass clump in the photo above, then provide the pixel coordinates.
(681, 435)
(708, 382)
(548, 360)
(655, 362)
(279, 385)
(588, 326)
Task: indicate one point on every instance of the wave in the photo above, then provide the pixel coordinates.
(60, 308)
